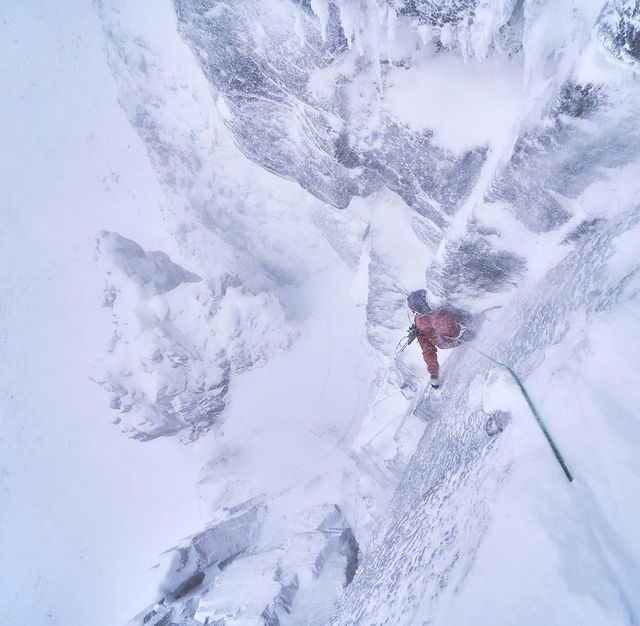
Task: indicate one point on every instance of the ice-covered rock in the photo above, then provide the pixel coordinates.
(428, 545)
(177, 340)
(153, 272)
(238, 572)
(561, 157)
(259, 56)
(586, 128)
(217, 545)
(619, 26)
(295, 120)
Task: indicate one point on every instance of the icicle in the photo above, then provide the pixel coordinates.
(299, 26)
(367, 26)
(347, 22)
(425, 33)
(446, 35)
(392, 18)
(321, 10)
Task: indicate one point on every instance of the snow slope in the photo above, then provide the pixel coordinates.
(81, 504)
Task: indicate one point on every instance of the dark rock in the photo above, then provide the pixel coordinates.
(154, 272)
(619, 29)
(560, 158)
(438, 12)
(473, 267)
(188, 585)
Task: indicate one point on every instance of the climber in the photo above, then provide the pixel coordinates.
(442, 328)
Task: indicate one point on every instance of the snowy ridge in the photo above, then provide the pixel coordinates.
(229, 227)
(213, 218)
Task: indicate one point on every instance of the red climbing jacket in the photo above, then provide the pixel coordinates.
(439, 328)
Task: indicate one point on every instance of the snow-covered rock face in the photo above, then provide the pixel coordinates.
(471, 145)
(424, 557)
(177, 341)
(259, 55)
(238, 572)
(299, 100)
(343, 97)
(620, 30)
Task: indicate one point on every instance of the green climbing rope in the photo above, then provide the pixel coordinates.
(541, 424)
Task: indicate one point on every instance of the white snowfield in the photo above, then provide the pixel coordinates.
(211, 214)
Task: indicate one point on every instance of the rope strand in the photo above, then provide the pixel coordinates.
(538, 419)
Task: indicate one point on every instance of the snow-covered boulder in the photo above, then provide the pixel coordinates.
(177, 340)
(238, 572)
(153, 272)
